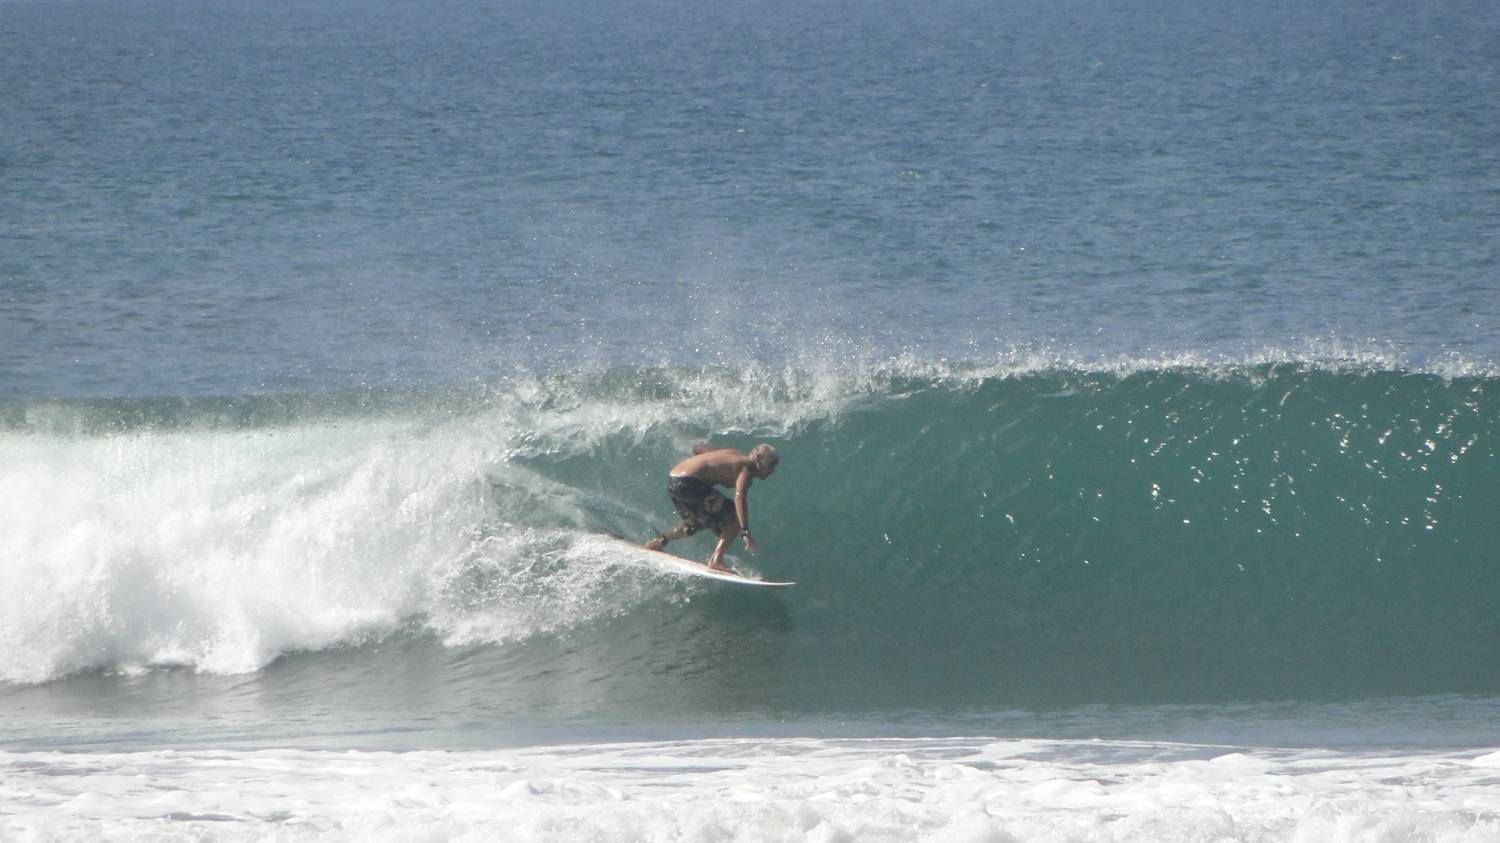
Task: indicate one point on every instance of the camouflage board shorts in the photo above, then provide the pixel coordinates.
(700, 504)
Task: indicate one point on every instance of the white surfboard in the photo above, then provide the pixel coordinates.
(662, 559)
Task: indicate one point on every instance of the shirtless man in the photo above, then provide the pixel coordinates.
(691, 484)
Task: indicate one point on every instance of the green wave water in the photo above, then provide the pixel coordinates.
(1162, 535)
(963, 539)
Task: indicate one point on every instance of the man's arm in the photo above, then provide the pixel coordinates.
(742, 505)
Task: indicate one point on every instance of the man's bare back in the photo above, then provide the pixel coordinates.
(719, 466)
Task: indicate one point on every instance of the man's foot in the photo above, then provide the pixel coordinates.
(722, 568)
(657, 543)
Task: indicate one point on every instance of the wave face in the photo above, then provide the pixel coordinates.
(961, 537)
(1277, 531)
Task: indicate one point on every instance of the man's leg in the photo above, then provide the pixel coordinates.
(727, 534)
(671, 535)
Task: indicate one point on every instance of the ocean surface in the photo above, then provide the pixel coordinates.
(1135, 369)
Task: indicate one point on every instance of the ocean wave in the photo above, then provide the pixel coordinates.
(1165, 529)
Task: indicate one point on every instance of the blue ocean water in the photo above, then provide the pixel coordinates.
(1135, 367)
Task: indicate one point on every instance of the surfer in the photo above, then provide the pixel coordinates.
(691, 484)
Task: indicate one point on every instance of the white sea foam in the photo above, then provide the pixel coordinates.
(218, 549)
(755, 790)
(221, 549)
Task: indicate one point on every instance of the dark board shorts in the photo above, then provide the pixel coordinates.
(700, 505)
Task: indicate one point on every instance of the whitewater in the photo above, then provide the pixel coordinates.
(792, 789)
